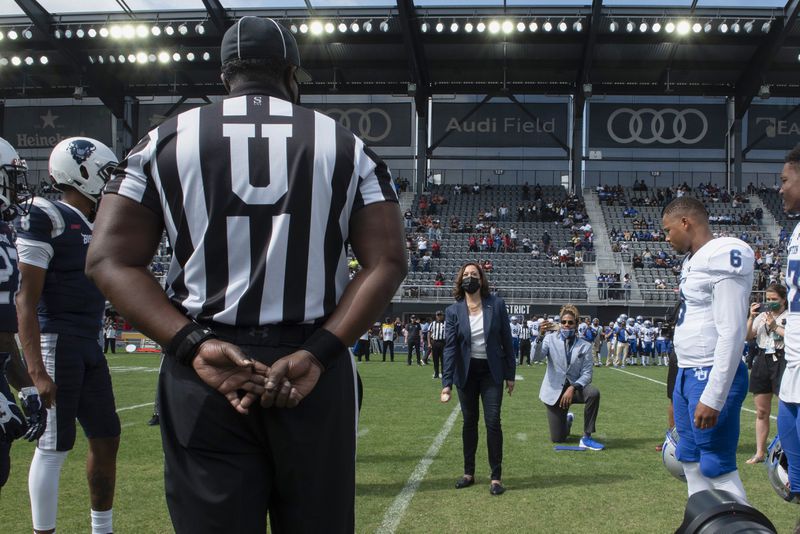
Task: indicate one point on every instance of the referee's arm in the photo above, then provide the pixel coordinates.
(125, 238)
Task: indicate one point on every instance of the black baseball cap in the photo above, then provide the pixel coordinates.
(261, 38)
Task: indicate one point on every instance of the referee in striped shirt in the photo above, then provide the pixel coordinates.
(260, 198)
(436, 341)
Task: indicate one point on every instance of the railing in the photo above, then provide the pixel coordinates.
(510, 294)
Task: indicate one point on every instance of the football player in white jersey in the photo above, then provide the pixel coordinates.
(646, 335)
(789, 405)
(716, 280)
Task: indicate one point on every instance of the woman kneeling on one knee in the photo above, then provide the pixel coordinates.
(568, 379)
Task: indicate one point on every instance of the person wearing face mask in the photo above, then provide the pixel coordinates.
(766, 323)
(567, 381)
(478, 358)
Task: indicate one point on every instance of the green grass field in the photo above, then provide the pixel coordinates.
(622, 489)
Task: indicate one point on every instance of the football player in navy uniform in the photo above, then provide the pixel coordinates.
(13, 423)
(711, 384)
(62, 339)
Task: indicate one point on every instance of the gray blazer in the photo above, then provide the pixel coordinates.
(579, 371)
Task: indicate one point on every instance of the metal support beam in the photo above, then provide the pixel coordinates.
(412, 38)
(738, 140)
(579, 101)
(753, 75)
(218, 15)
(101, 86)
(664, 78)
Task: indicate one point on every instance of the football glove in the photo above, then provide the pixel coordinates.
(12, 423)
(35, 411)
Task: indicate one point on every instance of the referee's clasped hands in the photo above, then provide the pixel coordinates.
(244, 381)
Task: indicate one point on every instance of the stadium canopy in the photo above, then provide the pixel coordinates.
(56, 48)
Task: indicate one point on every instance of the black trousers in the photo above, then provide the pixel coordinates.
(437, 350)
(524, 351)
(110, 343)
(481, 386)
(224, 472)
(557, 416)
(413, 344)
(390, 346)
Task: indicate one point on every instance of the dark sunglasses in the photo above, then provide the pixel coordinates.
(567, 322)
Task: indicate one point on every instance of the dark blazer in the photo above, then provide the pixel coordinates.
(458, 342)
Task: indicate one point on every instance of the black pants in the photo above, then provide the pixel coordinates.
(362, 349)
(225, 471)
(413, 344)
(557, 416)
(390, 346)
(110, 343)
(481, 385)
(437, 350)
(524, 351)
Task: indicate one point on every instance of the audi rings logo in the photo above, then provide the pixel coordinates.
(373, 125)
(666, 126)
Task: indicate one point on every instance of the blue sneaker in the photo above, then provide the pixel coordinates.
(589, 443)
(570, 419)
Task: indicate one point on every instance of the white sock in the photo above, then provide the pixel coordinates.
(695, 481)
(43, 479)
(101, 521)
(731, 483)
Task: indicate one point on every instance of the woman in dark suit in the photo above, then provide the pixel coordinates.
(478, 357)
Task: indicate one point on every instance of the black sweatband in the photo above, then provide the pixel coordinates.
(325, 347)
(187, 340)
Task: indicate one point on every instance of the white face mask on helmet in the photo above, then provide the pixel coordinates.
(82, 163)
(778, 471)
(13, 178)
(671, 462)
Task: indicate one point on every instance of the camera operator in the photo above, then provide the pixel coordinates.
(766, 324)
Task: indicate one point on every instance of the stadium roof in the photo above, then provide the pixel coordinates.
(418, 47)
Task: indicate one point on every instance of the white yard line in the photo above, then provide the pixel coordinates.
(665, 385)
(397, 510)
(126, 408)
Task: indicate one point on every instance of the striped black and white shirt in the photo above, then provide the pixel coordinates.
(256, 195)
(437, 331)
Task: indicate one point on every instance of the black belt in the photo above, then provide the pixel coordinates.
(270, 335)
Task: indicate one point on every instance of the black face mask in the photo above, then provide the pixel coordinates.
(470, 284)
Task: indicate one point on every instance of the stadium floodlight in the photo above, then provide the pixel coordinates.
(176, 57)
(112, 59)
(562, 26)
(629, 27)
(613, 26)
(767, 26)
(183, 29)
(141, 57)
(508, 27)
(293, 28)
(121, 58)
(643, 27)
(155, 30)
(164, 57)
(736, 27)
(44, 60)
(142, 31)
(101, 59)
(169, 30)
(67, 34)
(384, 26)
(91, 60)
(454, 27)
(3, 62)
(521, 26)
(131, 58)
(329, 27)
(304, 28)
(547, 26)
(12, 34)
(367, 26)
(342, 27)
(152, 58)
(56, 34)
(116, 32)
(104, 33)
(656, 27)
(669, 27)
(494, 27)
(92, 33)
(439, 27)
(316, 27)
(723, 27)
(128, 31)
(748, 26)
(533, 26)
(27, 33)
(29, 60)
(684, 27)
(16, 61)
(707, 27)
(355, 28)
(697, 27)
(577, 26)
(206, 56)
(200, 28)
(468, 27)
(481, 27)
(190, 56)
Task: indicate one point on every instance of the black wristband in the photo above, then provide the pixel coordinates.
(186, 341)
(325, 347)
(577, 387)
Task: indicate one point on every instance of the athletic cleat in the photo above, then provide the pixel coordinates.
(589, 443)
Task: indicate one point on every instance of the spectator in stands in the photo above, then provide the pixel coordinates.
(630, 212)
(473, 244)
(526, 244)
(534, 250)
(457, 189)
(436, 249)
(476, 189)
(502, 212)
(659, 284)
(488, 266)
(647, 258)
(408, 220)
(439, 280)
(414, 261)
(637, 262)
(426, 263)
(546, 241)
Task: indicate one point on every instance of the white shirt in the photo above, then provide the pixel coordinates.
(534, 329)
(478, 348)
(790, 383)
(647, 334)
(516, 328)
(764, 338)
(715, 288)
